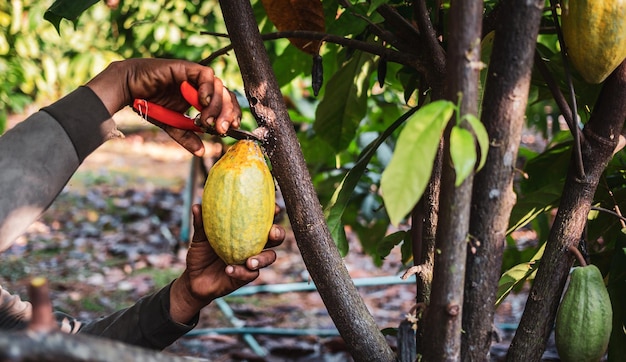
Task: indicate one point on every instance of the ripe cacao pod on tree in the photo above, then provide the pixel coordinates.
(238, 203)
(595, 36)
(584, 318)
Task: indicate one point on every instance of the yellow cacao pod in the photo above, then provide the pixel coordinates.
(584, 319)
(595, 36)
(238, 203)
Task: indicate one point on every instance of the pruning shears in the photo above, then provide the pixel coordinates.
(175, 119)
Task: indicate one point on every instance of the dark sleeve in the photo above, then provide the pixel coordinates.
(40, 154)
(85, 119)
(146, 324)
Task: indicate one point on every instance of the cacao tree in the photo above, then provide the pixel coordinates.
(405, 121)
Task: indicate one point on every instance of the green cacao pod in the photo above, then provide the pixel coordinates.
(238, 203)
(584, 318)
(595, 36)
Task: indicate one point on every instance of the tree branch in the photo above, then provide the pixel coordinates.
(601, 134)
(391, 55)
(442, 319)
(568, 78)
(504, 106)
(558, 96)
(58, 346)
(319, 252)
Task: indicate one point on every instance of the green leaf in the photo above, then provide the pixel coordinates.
(66, 9)
(337, 205)
(517, 275)
(390, 241)
(345, 102)
(532, 204)
(481, 137)
(409, 170)
(463, 153)
(374, 4)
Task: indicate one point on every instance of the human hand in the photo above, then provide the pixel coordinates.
(158, 81)
(207, 277)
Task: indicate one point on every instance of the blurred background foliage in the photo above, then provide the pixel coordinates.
(353, 109)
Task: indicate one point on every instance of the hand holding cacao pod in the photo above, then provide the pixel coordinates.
(238, 203)
(207, 277)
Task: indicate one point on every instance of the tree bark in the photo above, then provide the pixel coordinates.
(324, 263)
(503, 111)
(424, 233)
(600, 137)
(62, 347)
(442, 320)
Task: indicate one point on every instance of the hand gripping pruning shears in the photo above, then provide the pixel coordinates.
(172, 118)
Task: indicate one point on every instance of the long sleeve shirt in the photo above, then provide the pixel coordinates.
(37, 158)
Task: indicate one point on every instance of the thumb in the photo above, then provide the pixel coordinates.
(198, 225)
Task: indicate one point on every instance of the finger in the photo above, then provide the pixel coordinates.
(276, 236)
(205, 86)
(241, 273)
(188, 139)
(230, 115)
(198, 226)
(261, 260)
(210, 112)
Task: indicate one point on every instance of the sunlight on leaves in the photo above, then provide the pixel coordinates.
(463, 153)
(481, 137)
(517, 275)
(337, 205)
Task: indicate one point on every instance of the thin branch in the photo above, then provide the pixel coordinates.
(579, 256)
(611, 212)
(425, 28)
(390, 54)
(576, 131)
(558, 96)
(381, 33)
(618, 211)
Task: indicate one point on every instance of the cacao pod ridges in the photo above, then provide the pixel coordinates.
(584, 319)
(238, 203)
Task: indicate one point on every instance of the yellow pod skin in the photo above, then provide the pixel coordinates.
(595, 36)
(238, 203)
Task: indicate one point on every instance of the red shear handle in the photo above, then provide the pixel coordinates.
(165, 115)
(190, 94)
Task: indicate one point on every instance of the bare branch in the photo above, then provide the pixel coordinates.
(390, 54)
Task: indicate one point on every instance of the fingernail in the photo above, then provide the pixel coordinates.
(207, 100)
(211, 121)
(225, 125)
(230, 269)
(254, 263)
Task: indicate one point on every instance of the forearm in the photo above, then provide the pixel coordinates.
(40, 154)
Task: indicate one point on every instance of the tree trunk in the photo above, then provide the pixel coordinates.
(325, 265)
(442, 320)
(600, 137)
(503, 111)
